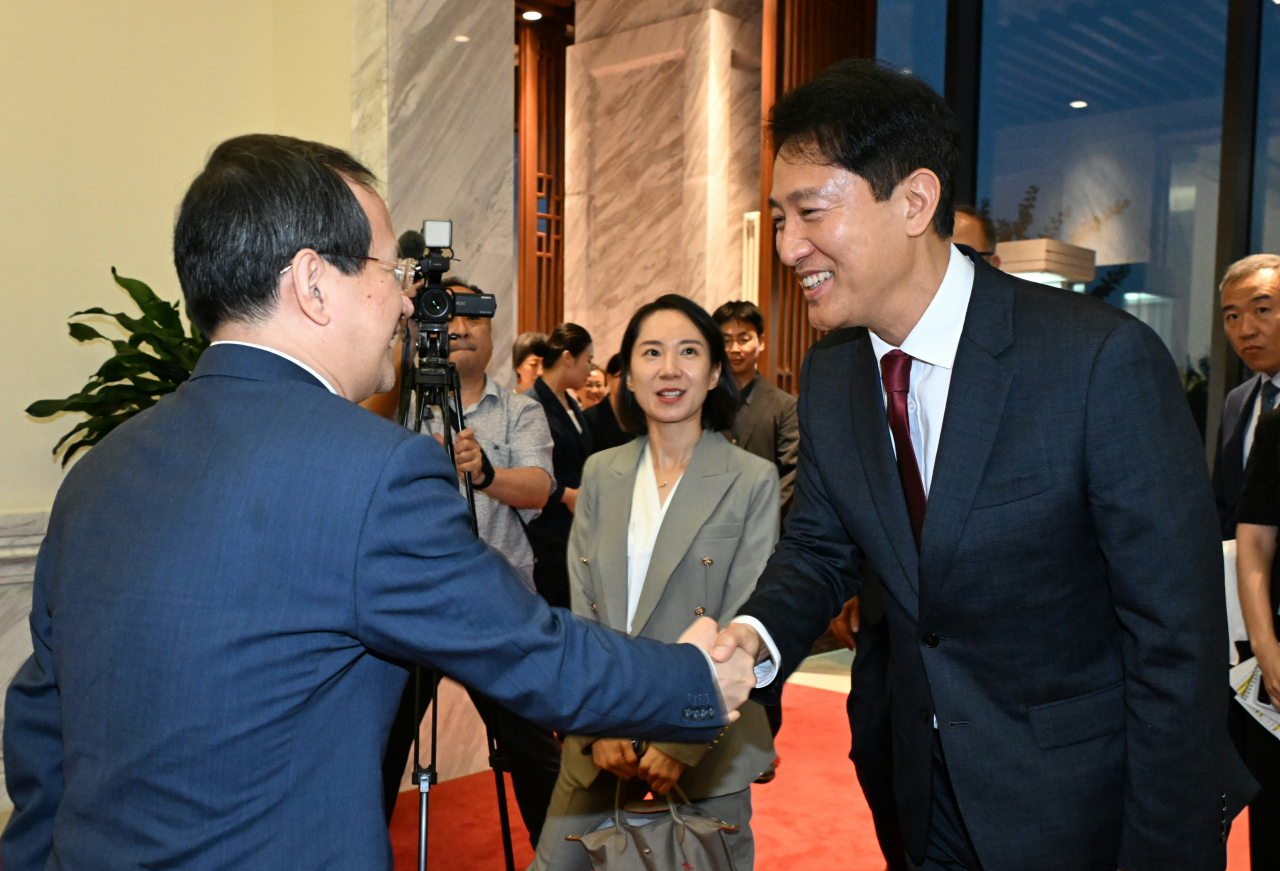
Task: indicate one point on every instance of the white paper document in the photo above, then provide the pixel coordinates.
(1245, 680)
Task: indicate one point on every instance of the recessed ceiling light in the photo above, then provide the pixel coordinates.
(461, 38)
(1078, 104)
(532, 15)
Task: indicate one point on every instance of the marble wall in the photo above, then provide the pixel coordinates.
(662, 154)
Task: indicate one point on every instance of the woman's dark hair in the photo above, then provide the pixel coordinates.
(566, 337)
(523, 346)
(259, 201)
(875, 122)
(722, 401)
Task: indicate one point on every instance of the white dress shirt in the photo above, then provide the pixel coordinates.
(647, 513)
(932, 344)
(294, 360)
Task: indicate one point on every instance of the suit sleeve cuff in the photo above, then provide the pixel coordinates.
(715, 681)
(767, 670)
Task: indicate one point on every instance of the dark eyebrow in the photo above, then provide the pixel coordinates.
(797, 195)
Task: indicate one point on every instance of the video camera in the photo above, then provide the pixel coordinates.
(435, 305)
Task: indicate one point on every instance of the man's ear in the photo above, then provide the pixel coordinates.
(920, 191)
(300, 286)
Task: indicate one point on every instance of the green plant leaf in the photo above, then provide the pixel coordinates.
(83, 332)
(46, 407)
(164, 314)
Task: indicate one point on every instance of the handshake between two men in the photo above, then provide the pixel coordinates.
(734, 661)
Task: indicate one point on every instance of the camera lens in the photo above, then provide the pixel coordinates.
(435, 302)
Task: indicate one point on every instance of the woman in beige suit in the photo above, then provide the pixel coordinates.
(670, 527)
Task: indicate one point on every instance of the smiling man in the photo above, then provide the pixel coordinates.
(1021, 466)
(232, 579)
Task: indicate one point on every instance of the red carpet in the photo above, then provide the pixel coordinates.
(812, 816)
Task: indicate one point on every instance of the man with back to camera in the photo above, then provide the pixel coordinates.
(507, 449)
(766, 424)
(230, 576)
(1250, 302)
(861, 626)
(1021, 466)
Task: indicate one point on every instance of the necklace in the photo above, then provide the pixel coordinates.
(663, 484)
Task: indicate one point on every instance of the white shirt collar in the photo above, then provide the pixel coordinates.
(295, 361)
(936, 336)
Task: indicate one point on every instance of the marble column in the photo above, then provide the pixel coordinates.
(433, 106)
(662, 153)
(433, 103)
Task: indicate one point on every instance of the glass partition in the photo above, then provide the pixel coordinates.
(1266, 179)
(1100, 126)
(912, 35)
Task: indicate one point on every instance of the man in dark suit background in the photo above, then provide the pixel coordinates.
(1021, 466)
(1250, 297)
(230, 578)
(766, 424)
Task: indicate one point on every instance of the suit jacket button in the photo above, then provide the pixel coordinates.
(925, 716)
(707, 561)
(594, 608)
(930, 640)
(584, 560)
(688, 713)
(699, 611)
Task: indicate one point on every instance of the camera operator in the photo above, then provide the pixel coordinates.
(507, 449)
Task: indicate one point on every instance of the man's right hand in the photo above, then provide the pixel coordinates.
(616, 756)
(845, 627)
(735, 672)
(1269, 663)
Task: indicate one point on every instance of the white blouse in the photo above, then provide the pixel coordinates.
(647, 512)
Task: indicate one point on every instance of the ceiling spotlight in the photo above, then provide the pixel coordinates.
(1078, 104)
(461, 38)
(531, 15)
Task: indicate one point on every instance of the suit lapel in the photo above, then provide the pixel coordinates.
(748, 420)
(614, 512)
(975, 405)
(1243, 415)
(703, 485)
(871, 432)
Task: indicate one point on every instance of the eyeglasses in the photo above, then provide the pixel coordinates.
(404, 270)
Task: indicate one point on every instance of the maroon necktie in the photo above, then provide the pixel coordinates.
(895, 367)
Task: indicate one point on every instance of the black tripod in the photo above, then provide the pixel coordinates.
(433, 382)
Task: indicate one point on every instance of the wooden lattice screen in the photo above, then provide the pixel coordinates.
(540, 95)
(801, 38)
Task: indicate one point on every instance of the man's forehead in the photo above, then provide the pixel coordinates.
(1263, 284)
(736, 326)
(797, 179)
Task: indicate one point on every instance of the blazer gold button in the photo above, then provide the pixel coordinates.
(699, 611)
(594, 608)
(707, 561)
(584, 560)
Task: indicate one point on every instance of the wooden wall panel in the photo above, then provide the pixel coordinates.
(801, 38)
(540, 208)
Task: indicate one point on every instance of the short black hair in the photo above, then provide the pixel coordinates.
(988, 226)
(722, 401)
(259, 201)
(740, 310)
(877, 123)
(614, 367)
(565, 337)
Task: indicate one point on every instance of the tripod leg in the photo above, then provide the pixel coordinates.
(497, 762)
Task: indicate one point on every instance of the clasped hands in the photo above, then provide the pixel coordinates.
(618, 756)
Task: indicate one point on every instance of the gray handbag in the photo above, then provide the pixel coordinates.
(659, 835)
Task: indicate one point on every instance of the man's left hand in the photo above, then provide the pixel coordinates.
(660, 771)
(466, 454)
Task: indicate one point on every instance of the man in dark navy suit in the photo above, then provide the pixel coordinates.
(230, 578)
(1250, 297)
(1020, 465)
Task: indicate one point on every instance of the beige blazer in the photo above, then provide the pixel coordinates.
(717, 534)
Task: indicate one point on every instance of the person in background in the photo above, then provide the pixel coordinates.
(766, 424)
(1250, 296)
(676, 523)
(565, 356)
(526, 363)
(507, 449)
(1249, 508)
(603, 416)
(596, 389)
(974, 229)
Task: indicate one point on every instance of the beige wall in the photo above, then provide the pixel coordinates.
(107, 111)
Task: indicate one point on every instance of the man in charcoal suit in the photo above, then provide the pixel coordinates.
(1250, 296)
(1020, 465)
(230, 578)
